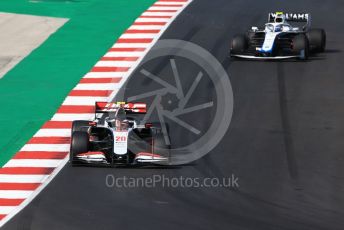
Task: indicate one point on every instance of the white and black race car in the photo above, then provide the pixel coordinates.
(116, 137)
(280, 40)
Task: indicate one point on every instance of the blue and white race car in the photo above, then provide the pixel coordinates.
(280, 40)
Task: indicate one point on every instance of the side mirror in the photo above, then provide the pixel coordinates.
(254, 28)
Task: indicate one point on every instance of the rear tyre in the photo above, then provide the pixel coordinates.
(239, 44)
(301, 46)
(80, 126)
(317, 40)
(79, 144)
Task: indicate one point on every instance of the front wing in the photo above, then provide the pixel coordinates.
(98, 158)
(265, 58)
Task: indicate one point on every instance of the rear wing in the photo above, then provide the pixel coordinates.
(293, 17)
(111, 107)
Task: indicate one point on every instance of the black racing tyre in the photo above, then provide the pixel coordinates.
(239, 44)
(80, 126)
(79, 144)
(300, 44)
(317, 40)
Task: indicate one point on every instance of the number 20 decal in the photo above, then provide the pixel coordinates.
(121, 139)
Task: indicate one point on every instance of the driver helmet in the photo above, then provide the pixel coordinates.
(118, 124)
(280, 18)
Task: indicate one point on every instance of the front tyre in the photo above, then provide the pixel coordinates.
(301, 46)
(317, 40)
(239, 44)
(80, 126)
(79, 144)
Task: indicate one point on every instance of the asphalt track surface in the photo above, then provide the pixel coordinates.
(285, 143)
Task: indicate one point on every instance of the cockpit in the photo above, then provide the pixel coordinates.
(119, 122)
(271, 27)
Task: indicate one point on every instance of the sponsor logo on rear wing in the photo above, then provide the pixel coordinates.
(110, 107)
(291, 17)
(299, 17)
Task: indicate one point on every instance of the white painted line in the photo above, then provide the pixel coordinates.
(71, 100)
(4, 210)
(164, 8)
(123, 54)
(53, 133)
(138, 36)
(103, 75)
(103, 86)
(20, 178)
(114, 63)
(130, 45)
(46, 147)
(15, 194)
(32, 163)
(158, 14)
(72, 116)
(170, 3)
(153, 20)
(146, 27)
